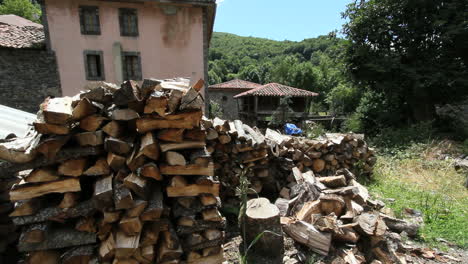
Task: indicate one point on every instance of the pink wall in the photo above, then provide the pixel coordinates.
(170, 45)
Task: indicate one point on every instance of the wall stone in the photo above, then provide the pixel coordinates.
(27, 76)
(229, 105)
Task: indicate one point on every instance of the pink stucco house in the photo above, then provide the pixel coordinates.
(103, 40)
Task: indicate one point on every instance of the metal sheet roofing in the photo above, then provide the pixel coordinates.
(235, 84)
(14, 121)
(276, 89)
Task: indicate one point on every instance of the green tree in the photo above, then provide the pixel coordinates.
(22, 8)
(414, 54)
(283, 114)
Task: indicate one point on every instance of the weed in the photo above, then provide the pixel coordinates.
(215, 110)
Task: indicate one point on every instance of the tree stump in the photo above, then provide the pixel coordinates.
(263, 216)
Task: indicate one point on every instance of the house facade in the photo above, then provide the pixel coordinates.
(114, 41)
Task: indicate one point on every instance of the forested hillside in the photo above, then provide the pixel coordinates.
(314, 64)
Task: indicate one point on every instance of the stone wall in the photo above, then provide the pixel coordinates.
(27, 76)
(226, 101)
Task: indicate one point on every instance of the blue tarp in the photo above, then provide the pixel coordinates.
(292, 129)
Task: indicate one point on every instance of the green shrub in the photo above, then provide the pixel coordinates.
(22, 8)
(215, 110)
(314, 130)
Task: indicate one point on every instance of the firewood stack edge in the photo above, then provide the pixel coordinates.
(118, 175)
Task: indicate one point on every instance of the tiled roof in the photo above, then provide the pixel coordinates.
(276, 89)
(17, 33)
(235, 84)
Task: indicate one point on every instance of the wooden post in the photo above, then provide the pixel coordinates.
(255, 110)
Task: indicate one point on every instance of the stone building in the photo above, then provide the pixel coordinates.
(28, 72)
(223, 94)
(114, 41)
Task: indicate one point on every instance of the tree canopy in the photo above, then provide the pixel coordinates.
(22, 8)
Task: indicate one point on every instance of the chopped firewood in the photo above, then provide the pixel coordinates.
(220, 125)
(114, 129)
(92, 123)
(155, 205)
(149, 146)
(370, 224)
(399, 225)
(99, 168)
(346, 234)
(34, 233)
(129, 92)
(123, 198)
(139, 207)
(130, 225)
(318, 165)
(285, 193)
(208, 199)
(135, 161)
(283, 206)
(191, 100)
(212, 251)
(195, 134)
(156, 103)
(331, 203)
(180, 146)
(115, 161)
(211, 134)
(171, 135)
(333, 181)
(58, 110)
(86, 224)
(70, 199)
(306, 234)
(50, 146)
(107, 248)
(194, 239)
(90, 138)
(167, 254)
(59, 238)
(103, 192)
(186, 201)
(309, 208)
(51, 129)
(117, 146)
(26, 207)
(200, 157)
(174, 158)
(150, 170)
(224, 139)
(212, 215)
(111, 216)
(353, 209)
(148, 86)
(137, 184)
(212, 234)
(191, 169)
(193, 256)
(193, 190)
(43, 257)
(25, 191)
(83, 109)
(42, 175)
(150, 235)
(212, 259)
(73, 167)
(187, 120)
(170, 238)
(126, 245)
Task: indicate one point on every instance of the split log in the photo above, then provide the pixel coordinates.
(309, 208)
(137, 210)
(131, 226)
(34, 233)
(193, 190)
(186, 120)
(114, 129)
(51, 129)
(59, 238)
(137, 184)
(370, 224)
(26, 191)
(212, 215)
(58, 110)
(92, 122)
(115, 161)
(103, 192)
(90, 138)
(171, 135)
(50, 146)
(123, 198)
(191, 101)
(191, 169)
(149, 147)
(83, 109)
(86, 224)
(150, 170)
(78, 255)
(195, 134)
(156, 103)
(126, 245)
(183, 145)
(155, 205)
(175, 159)
(117, 146)
(70, 199)
(306, 234)
(43, 257)
(42, 175)
(26, 207)
(99, 168)
(333, 181)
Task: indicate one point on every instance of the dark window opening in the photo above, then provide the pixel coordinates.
(89, 20)
(224, 98)
(94, 65)
(131, 66)
(128, 20)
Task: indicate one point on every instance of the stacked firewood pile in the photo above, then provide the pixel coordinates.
(118, 175)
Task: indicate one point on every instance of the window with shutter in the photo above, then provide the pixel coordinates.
(128, 20)
(89, 20)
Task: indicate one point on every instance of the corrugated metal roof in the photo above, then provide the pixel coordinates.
(276, 89)
(235, 84)
(14, 121)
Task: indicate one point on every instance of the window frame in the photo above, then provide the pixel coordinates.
(128, 11)
(101, 61)
(83, 29)
(139, 75)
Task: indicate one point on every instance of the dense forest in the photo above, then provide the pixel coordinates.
(398, 63)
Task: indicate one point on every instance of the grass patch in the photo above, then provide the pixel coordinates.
(419, 177)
